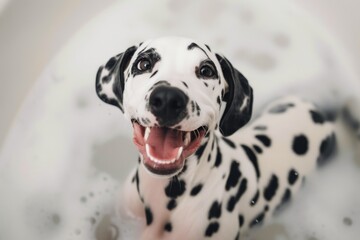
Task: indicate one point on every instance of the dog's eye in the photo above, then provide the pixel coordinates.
(144, 64)
(207, 71)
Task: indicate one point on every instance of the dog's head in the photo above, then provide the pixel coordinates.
(173, 90)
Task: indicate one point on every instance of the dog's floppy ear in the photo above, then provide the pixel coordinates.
(238, 98)
(110, 78)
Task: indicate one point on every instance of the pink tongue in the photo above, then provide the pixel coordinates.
(164, 143)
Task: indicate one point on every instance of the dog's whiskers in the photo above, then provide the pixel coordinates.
(206, 130)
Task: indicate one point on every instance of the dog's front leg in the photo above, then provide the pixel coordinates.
(132, 207)
(130, 203)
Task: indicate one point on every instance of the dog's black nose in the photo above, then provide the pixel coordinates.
(168, 104)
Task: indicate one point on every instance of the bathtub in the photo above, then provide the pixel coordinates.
(67, 153)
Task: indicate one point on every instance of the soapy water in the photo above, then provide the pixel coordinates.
(63, 163)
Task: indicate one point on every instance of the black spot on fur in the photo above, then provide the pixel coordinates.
(148, 215)
(293, 176)
(229, 142)
(237, 237)
(222, 93)
(317, 117)
(207, 47)
(271, 188)
(134, 178)
(255, 198)
(218, 158)
(154, 73)
(234, 175)
(300, 144)
(328, 147)
(185, 84)
(137, 181)
(287, 196)
(192, 106)
(215, 210)
(284, 200)
(171, 205)
(110, 64)
(205, 83)
(281, 108)
(207, 134)
(168, 227)
(258, 220)
(211, 229)
(253, 159)
(194, 45)
(213, 143)
(235, 199)
(196, 189)
(98, 90)
(218, 100)
(112, 101)
(98, 85)
(198, 110)
(241, 220)
(264, 140)
(257, 148)
(200, 150)
(106, 79)
(175, 188)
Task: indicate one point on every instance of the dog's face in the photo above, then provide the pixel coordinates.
(173, 89)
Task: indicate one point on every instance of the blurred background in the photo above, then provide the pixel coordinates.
(32, 32)
(64, 158)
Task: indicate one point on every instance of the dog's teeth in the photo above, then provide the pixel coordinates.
(147, 148)
(179, 152)
(162, 162)
(147, 133)
(155, 160)
(187, 138)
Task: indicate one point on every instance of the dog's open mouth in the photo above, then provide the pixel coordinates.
(164, 150)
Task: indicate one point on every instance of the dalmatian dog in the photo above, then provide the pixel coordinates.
(199, 176)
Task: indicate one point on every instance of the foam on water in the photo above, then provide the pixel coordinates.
(67, 153)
